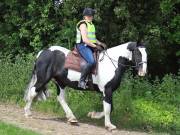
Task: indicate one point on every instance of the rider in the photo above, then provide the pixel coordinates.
(87, 43)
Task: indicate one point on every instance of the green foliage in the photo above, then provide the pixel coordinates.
(168, 91)
(8, 129)
(14, 77)
(149, 113)
(28, 26)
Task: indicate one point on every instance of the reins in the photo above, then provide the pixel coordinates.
(105, 53)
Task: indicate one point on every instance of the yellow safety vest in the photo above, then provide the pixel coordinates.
(91, 32)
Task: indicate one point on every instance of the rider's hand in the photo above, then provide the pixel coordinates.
(103, 45)
(99, 48)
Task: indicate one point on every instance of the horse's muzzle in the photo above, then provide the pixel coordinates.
(142, 70)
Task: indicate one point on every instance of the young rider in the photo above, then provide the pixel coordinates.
(87, 43)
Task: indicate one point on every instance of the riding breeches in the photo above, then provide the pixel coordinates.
(86, 52)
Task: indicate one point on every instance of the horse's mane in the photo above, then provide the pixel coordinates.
(120, 50)
(123, 45)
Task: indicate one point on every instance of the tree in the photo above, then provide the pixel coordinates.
(29, 26)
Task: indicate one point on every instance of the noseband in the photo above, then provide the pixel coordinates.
(140, 63)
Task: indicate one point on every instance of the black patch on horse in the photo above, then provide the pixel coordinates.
(114, 83)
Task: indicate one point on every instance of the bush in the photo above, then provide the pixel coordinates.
(14, 77)
(150, 114)
(168, 91)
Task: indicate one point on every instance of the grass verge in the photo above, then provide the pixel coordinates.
(9, 129)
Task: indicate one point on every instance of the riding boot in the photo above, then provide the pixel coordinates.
(86, 69)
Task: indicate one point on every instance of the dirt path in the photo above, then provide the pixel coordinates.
(51, 125)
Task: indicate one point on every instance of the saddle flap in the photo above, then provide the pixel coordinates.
(74, 61)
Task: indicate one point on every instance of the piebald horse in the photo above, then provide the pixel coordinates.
(112, 64)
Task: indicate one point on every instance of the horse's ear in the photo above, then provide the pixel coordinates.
(131, 46)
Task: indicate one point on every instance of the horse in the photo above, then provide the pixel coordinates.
(112, 63)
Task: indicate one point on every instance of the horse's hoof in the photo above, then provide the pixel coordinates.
(111, 127)
(91, 114)
(28, 116)
(73, 121)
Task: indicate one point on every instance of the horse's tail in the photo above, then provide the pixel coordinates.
(39, 73)
(31, 83)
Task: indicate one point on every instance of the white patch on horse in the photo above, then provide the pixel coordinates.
(75, 76)
(59, 48)
(30, 85)
(31, 94)
(144, 59)
(106, 69)
(39, 53)
(107, 111)
(120, 50)
(144, 54)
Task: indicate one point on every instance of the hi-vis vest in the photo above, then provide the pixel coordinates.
(90, 29)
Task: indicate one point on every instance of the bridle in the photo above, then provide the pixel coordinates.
(105, 53)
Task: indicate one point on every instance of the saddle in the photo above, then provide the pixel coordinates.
(74, 61)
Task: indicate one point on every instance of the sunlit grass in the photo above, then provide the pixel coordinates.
(9, 129)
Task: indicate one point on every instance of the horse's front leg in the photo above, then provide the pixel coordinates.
(107, 104)
(96, 115)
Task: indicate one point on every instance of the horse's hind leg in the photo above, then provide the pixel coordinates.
(33, 91)
(43, 94)
(31, 95)
(61, 98)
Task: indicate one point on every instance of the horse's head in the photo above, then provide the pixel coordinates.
(139, 57)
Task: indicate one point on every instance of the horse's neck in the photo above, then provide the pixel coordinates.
(120, 50)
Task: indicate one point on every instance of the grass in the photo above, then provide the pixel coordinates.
(9, 129)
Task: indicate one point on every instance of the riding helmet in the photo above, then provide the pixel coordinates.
(88, 12)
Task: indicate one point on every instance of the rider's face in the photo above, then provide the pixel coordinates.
(88, 18)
